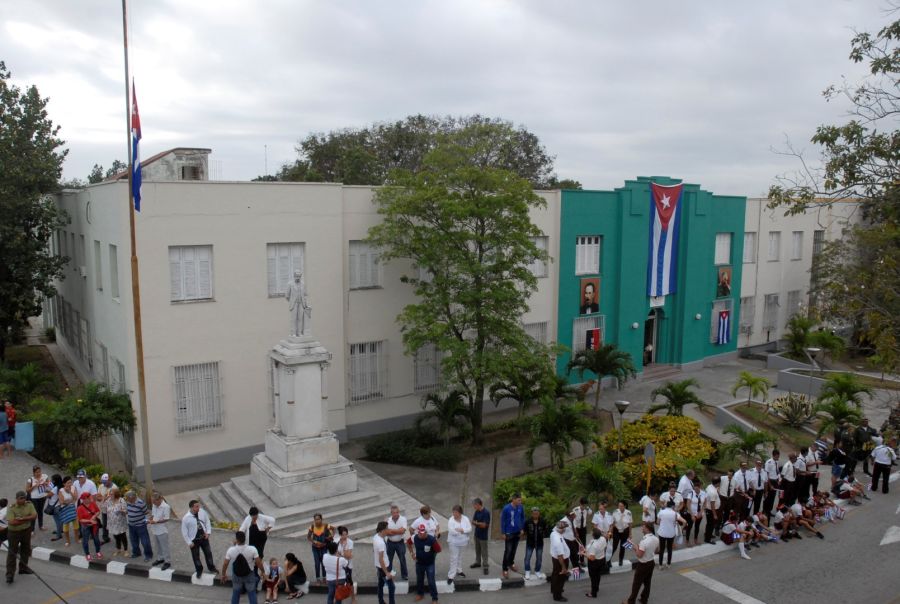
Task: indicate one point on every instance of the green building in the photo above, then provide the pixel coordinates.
(604, 250)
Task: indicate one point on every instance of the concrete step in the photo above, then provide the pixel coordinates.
(210, 503)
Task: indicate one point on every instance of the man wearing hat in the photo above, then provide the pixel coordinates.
(83, 484)
(559, 553)
(106, 485)
(19, 516)
(423, 552)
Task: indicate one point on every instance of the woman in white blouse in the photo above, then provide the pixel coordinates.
(667, 529)
(458, 530)
(595, 552)
(621, 529)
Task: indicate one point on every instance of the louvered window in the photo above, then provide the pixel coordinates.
(190, 272)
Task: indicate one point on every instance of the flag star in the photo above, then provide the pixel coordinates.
(665, 201)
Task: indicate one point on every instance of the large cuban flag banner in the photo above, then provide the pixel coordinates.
(665, 220)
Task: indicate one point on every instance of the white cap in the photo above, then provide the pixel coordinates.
(104, 477)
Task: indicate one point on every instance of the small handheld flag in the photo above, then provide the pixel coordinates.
(135, 150)
(628, 545)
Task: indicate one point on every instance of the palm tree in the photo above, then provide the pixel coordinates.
(832, 344)
(756, 386)
(833, 411)
(558, 425)
(597, 478)
(798, 335)
(844, 386)
(448, 412)
(746, 442)
(678, 395)
(24, 384)
(529, 378)
(605, 361)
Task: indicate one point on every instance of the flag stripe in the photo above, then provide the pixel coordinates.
(664, 227)
(135, 150)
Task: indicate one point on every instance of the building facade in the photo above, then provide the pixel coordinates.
(215, 258)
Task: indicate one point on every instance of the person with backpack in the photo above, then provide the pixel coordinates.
(242, 558)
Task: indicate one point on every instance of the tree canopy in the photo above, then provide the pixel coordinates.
(366, 156)
(98, 174)
(464, 223)
(856, 281)
(31, 161)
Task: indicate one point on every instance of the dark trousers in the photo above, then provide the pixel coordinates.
(741, 505)
(770, 498)
(790, 492)
(202, 544)
(573, 552)
(423, 570)
(19, 544)
(757, 500)
(509, 551)
(688, 525)
(104, 523)
(726, 509)
(619, 539)
(643, 575)
(558, 579)
(581, 533)
(595, 571)
(260, 543)
(382, 579)
(710, 524)
(396, 547)
(665, 544)
(881, 470)
(39, 508)
(318, 553)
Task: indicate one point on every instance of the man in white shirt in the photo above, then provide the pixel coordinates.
(671, 495)
(773, 473)
(789, 479)
(726, 494)
(883, 455)
(382, 564)
(603, 520)
(583, 519)
(743, 492)
(648, 508)
(759, 482)
(712, 507)
(569, 536)
(394, 535)
(195, 530)
(559, 553)
(686, 484)
(645, 551)
(242, 580)
(158, 524)
(83, 484)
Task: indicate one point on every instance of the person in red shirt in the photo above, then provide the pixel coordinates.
(89, 521)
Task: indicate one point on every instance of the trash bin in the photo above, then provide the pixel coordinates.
(24, 440)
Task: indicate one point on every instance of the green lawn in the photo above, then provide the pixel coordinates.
(757, 415)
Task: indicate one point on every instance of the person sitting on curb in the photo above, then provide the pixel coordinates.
(735, 532)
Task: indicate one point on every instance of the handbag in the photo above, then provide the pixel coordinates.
(436, 546)
(344, 590)
(50, 510)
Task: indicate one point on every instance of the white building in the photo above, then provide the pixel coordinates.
(214, 260)
(778, 257)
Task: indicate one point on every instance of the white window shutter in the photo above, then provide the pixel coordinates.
(175, 273)
(271, 270)
(204, 272)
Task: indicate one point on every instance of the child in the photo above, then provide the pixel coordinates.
(272, 580)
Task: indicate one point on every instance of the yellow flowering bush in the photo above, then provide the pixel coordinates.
(677, 441)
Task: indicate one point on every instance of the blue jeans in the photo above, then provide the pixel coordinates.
(140, 537)
(382, 579)
(87, 533)
(319, 553)
(396, 547)
(58, 522)
(509, 550)
(421, 571)
(537, 560)
(248, 582)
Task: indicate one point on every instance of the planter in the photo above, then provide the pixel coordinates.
(778, 361)
(725, 417)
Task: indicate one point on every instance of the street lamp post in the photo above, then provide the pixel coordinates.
(621, 406)
(811, 353)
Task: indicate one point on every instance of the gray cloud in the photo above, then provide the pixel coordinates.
(614, 89)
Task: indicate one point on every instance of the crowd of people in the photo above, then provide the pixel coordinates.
(761, 502)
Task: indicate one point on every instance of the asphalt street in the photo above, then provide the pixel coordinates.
(850, 565)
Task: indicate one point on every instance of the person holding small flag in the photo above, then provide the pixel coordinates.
(645, 551)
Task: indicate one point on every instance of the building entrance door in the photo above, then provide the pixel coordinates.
(650, 327)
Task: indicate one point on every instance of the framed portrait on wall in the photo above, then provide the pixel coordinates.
(723, 281)
(590, 296)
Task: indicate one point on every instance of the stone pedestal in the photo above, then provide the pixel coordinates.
(301, 461)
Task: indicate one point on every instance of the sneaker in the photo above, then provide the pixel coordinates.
(99, 556)
(157, 562)
(461, 574)
(449, 581)
(199, 573)
(485, 572)
(820, 535)
(527, 575)
(541, 576)
(474, 565)
(165, 566)
(745, 557)
(88, 557)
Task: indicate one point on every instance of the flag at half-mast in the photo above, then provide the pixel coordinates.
(135, 150)
(665, 222)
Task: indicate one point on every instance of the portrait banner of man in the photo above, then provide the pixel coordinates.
(590, 296)
(723, 282)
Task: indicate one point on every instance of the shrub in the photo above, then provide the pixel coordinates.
(50, 334)
(678, 445)
(412, 448)
(541, 490)
(500, 426)
(794, 409)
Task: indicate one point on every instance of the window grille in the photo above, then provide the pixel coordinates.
(748, 314)
(793, 303)
(770, 313)
(580, 327)
(368, 371)
(427, 362)
(198, 397)
(587, 255)
(749, 248)
(537, 331)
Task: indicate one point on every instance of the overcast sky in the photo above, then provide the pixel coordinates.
(615, 89)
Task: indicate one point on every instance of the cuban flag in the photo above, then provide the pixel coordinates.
(135, 153)
(592, 339)
(723, 331)
(627, 545)
(665, 220)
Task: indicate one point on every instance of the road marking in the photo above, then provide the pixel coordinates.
(892, 535)
(70, 594)
(720, 588)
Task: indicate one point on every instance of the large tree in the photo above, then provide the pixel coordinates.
(463, 220)
(366, 156)
(31, 160)
(857, 279)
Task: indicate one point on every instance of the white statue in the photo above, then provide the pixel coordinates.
(298, 304)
